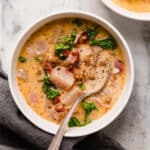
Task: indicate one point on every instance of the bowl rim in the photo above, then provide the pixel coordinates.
(139, 16)
(95, 125)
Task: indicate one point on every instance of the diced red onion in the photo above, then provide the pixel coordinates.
(33, 97)
(118, 67)
(21, 73)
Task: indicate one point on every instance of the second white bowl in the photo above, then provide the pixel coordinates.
(126, 13)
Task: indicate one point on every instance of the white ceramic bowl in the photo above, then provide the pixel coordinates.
(126, 13)
(95, 125)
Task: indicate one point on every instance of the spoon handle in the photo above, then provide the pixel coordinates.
(55, 144)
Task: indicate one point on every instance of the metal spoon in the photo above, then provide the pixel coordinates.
(94, 86)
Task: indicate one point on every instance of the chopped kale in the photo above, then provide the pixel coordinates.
(49, 88)
(69, 40)
(47, 81)
(88, 108)
(74, 122)
(51, 93)
(62, 46)
(59, 53)
(38, 59)
(66, 43)
(105, 43)
(82, 86)
(92, 33)
(22, 59)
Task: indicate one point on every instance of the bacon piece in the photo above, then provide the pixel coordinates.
(71, 96)
(82, 38)
(66, 53)
(56, 100)
(47, 66)
(60, 108)
(62, 78)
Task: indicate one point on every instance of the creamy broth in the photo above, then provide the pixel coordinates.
(134, 5)
(47, 72)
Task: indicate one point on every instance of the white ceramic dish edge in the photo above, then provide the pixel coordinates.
(126, 13)
(95, 125)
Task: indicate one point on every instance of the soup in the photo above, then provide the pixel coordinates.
(59, 59)
(134, 5)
